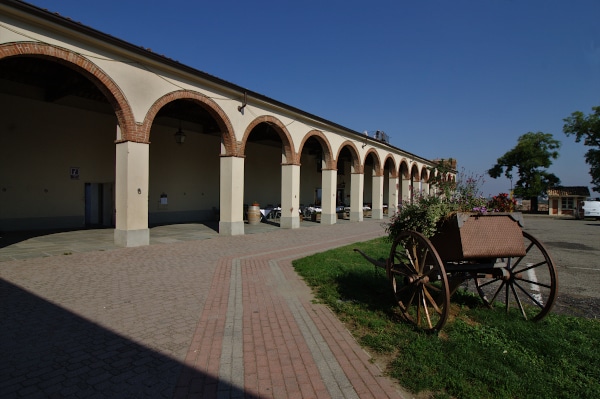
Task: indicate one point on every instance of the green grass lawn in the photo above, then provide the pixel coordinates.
(480, 353)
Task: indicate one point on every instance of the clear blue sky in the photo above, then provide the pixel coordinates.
(443, 78)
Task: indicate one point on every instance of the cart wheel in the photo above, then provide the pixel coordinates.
(528, 283)
(419, 281)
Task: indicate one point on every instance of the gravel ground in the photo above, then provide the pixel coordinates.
(575, 248)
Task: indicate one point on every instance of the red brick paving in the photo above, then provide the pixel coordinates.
(169, 305)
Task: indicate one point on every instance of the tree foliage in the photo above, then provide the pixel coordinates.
(532, 155)
(588, 129)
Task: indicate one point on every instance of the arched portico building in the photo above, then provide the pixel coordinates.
(88, 139)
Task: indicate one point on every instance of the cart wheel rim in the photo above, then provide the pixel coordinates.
(528, 285)
(419, 281)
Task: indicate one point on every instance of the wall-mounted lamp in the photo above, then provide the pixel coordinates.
(241, 107)
(179, 135)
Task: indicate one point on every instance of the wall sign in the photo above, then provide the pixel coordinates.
(74, 172)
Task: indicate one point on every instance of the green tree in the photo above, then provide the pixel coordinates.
(588, 128)
(531, 157)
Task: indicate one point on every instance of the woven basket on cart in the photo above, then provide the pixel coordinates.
(467, 236)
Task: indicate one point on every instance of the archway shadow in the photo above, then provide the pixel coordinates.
(48, 351)
(8, 238)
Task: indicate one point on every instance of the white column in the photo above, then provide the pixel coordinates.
(392, 195)
(290, 196)
(377, 195)
(405, 190)
(231, 203)
(132, 171)
(328, 203)
(425, 188)
(356, 197)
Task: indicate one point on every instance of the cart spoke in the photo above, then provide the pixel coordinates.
(433, 287)
(434, 305)
(403, 289)
(423, 260)
(418, 305)
(497, 291)
(406, 261)
(532, 282)
(533, 298)
(426, 309)
(415, 260)
(518, 300)
(410, 300)
(492, 281)
(397, 269)
(533, 266)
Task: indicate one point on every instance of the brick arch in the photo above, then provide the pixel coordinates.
(205, 102)
(393, 169)
(80, 64)
(424, 173)
(327, 152)
(404, 169)
(414, 171)
(355, 158)
(378, 168)
(281, 130)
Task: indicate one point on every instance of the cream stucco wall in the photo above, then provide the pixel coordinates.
(188, 174)
(39, 144)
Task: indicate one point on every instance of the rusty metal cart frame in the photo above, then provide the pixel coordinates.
(509, 267)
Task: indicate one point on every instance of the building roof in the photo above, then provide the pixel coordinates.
(56, 18)
(570, 191)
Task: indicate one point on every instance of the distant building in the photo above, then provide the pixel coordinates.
(564, 200)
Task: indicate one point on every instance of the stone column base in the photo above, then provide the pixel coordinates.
(356, 216)
(289, 222)
(231, 228)
(132, 238)
(328, 218)
(377, 214)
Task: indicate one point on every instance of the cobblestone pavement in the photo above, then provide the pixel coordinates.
(210, 317)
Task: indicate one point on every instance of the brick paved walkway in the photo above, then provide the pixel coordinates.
(224, 317)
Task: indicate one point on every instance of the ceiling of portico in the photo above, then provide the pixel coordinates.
(45, 80)
(265, 134)
(50, 81)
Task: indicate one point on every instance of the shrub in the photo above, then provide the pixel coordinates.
(502, 203)
(425, 210)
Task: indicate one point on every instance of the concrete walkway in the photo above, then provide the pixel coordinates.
(186, 317)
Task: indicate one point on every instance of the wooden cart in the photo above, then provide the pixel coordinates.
(508, 266)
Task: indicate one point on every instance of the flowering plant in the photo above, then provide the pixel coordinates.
(424, 211)
(502, 203)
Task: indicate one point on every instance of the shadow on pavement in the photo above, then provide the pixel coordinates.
(47, 351)
(8, 238)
